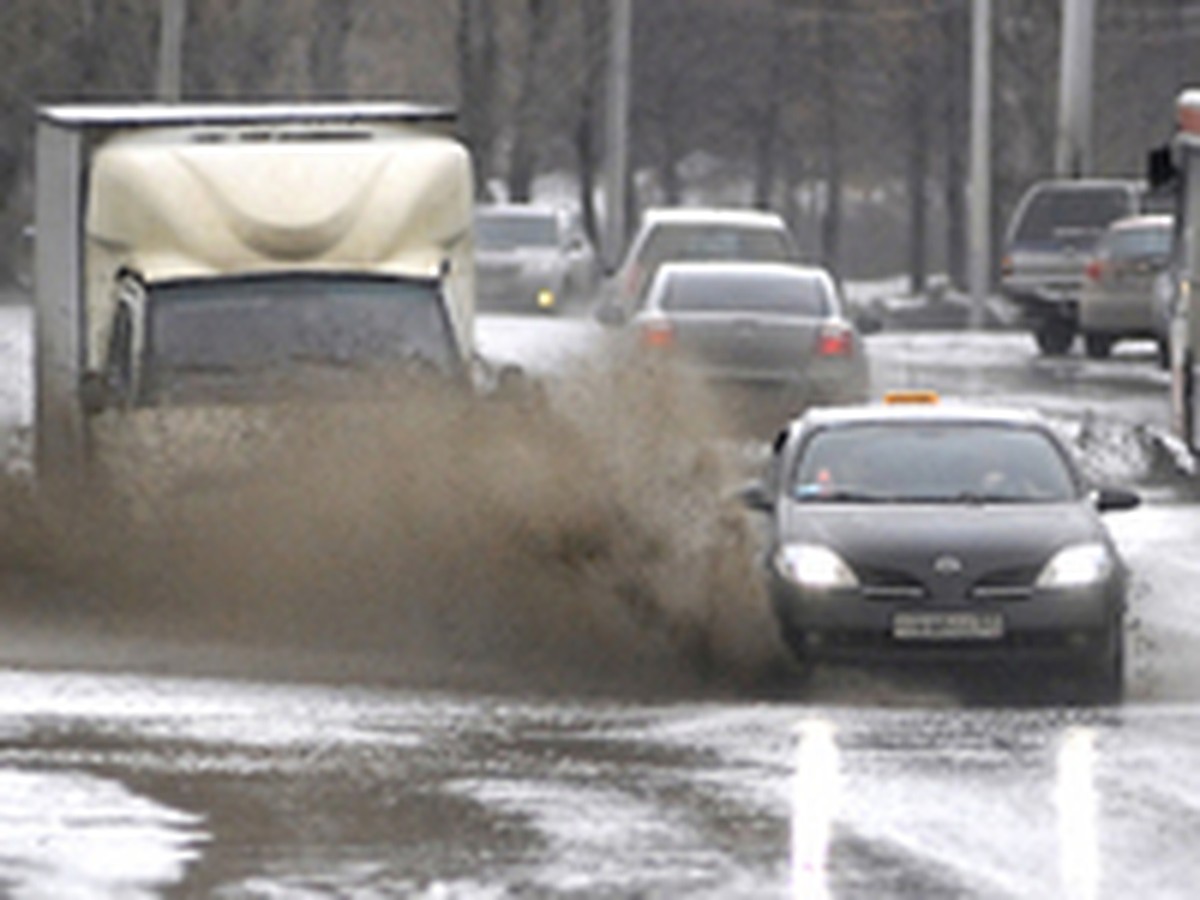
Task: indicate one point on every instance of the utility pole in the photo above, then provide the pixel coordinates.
(172, 18)
(980, 269)
(1073, 147)
(617, 131)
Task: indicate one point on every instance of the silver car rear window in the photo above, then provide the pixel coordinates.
(728, 292)
(1054, 215)
(1137, 243)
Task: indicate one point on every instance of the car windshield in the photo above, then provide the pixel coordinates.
(242, 325)
(738, 292)
(1064, 215)
(502, 231)
(932, 463)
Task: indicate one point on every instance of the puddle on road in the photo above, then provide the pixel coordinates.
(593, 546)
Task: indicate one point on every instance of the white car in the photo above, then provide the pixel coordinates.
(683, 234)
(531, 258)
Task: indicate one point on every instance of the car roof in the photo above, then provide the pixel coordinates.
(944, 411)
(1087, 184)
(1133, 223)
(693, 215)
(743, 268)
(509, 210)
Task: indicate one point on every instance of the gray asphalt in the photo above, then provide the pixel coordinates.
(543, 717)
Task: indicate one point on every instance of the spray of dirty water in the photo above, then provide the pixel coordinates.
(582, 542)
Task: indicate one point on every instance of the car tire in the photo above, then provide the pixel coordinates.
(1097, 346)
(1102, 679)
(794, 639)
(1054, 337)
(800, 667)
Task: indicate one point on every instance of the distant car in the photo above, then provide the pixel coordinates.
(943, 533)
(1051, 235)
(682, 234)
(531, 258)
(1121, 284)
(772, 337)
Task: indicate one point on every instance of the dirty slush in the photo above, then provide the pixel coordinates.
(585, 543)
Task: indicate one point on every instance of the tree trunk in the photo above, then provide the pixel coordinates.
(477, 76)
(829, 56)
(956, 81)
(327, 52)
(918, 87)
(594, 24)
(769, 121)
(523, 162)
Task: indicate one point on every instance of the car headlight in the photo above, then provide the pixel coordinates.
(815, 567)
(1081, 565)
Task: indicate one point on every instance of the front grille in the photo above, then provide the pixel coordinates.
(890, 586)
(894, 586)
(1006, 584)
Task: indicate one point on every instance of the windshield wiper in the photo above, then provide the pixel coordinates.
(970, 498)
(843, 495)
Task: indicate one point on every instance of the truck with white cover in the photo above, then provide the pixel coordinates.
(191, 253)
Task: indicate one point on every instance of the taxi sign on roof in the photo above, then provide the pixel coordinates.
(895, 398)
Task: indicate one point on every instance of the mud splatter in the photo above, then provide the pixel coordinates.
(587, 541)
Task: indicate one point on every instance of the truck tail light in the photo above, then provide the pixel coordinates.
(1095, 270)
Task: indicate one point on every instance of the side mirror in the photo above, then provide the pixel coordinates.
(867, 323)
(756, 497)
(1160, 167)
(95, 393)
(1116, 500)
(609, 313)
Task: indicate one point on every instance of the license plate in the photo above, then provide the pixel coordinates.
(947, 626)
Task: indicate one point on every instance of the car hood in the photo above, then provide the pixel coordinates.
(985, 539)
(523, 256)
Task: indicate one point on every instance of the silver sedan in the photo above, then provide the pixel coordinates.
(769, 336)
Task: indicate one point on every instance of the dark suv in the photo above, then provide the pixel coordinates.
(1050, 239)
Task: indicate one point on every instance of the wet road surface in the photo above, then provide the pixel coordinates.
(140, 761)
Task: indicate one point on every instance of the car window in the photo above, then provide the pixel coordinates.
(1069, 215)
(504, 232)
(730, 292)
(1137, 243)
(932, 463)
(715, 242)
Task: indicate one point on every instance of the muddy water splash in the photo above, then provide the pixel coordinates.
(586, 542)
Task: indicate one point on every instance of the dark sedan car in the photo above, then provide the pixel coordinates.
(936, 532)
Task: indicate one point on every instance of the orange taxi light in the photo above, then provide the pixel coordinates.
(894, 398)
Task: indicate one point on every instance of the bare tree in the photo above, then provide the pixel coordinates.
(830, 56)
(478, 83)
(327, 51)
(594, 26)
(529, 106)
